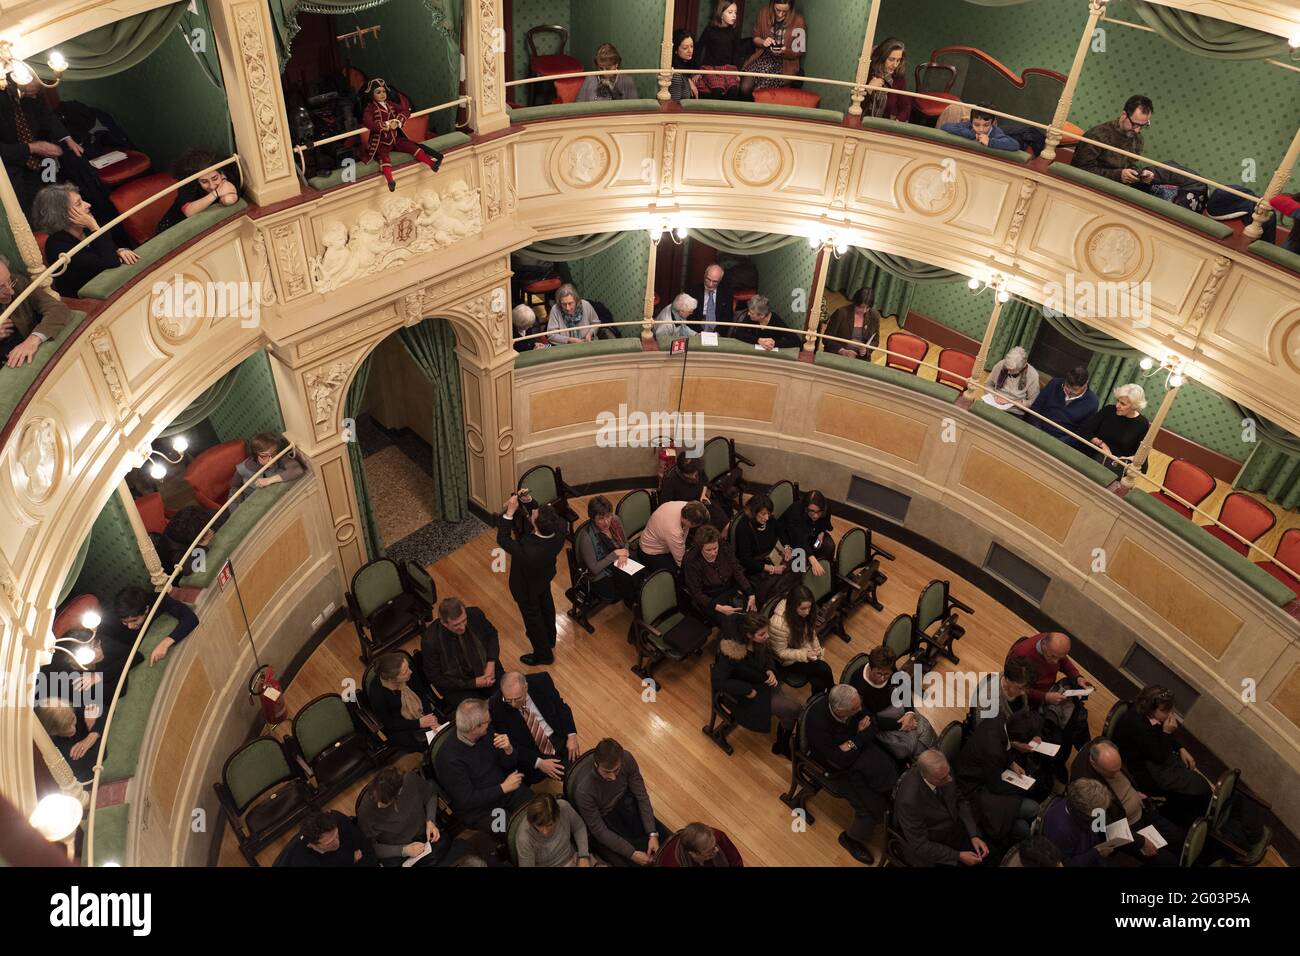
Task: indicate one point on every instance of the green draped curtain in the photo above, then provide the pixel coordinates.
(115, 47)
(908, 269)
(207, 57)
(1017, 325)
(432, 345)
(446, 16)
(74, 572)
(854, 271)
(1206, 36)
(569, 248)
(1085, 335)
(209, 400)
(366, 514)
(737, 243)
(1273, 468)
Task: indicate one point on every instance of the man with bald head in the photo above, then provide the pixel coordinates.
(937, 824)
(539, 724)
(843, 740)
(1100, 760)
(1066, 718)
(713, 297)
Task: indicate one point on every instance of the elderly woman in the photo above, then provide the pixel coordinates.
(1068, 824)
(262, 448)
(571, 312)
(524, 320)
(672, 320)
(859, 322)
(602, 546)
(1117, 430)
(66, 217)
(1014, 378)
(610, 86)
(66, 726)
(761, 327)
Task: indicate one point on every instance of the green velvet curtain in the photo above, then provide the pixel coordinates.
(201, 19)
(1017, 325)
(1085, 335)
(446, 16)
(908, 268)
(432, 345)
(854, 271)
(1108, 371)
(1273, 467)
(744, 243)
(115, 47)
(209, 400)
(568, 248)
(369, 529)
(1206, 36)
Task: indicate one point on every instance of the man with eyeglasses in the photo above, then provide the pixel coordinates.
(714, 298)
(1123, 133)
(530, 712)
(39, 318)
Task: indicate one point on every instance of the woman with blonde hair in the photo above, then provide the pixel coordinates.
(612, 85)
(1118, 429)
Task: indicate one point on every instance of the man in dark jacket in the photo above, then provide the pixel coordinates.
(937, 824)
(39, 318)
(131, 606)
(843, 740)
(714, 298)
(461, 653)
(479, 772)
(1100, 760)
(531, 712)
(1068, 402)
(532, 568)
(610, 794)
(328, 838)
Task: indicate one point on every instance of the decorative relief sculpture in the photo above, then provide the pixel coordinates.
(1211, 291)
(931, 190)
(846, 165)
(266, 110)
(666, 164)
(323, 385)
(1027, 190)
(404, 228)
(102, 342)
(757, 161)
(1114, 252)
(584, 162)
(289, 254)
(38, 457)
(489, 46)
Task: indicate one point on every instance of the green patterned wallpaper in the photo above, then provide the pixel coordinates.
(113, 559)
(252, 406)
(411, 55)
(636, 28)
(954, 305)
(616, 277)
(785, 277)
(835, 32)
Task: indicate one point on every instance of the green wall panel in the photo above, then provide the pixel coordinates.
(835, 32)
(636, 28)
(785, 277)
(954, 305)
(113, 559)
(532, 13)
(252, 406)
(616, 277)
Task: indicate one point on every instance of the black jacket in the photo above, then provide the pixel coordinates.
(798, 532)
(44, 123)
(387, 707)
(722, 311)
(825, 734)
(446, 663)
(471, 775)
(751, 332)
(875, 700)
(985, 756)
(738, 670)
(351, 839)
(1141, 744)
(705, 582)
(532, 559)
(754, 547)
(936, 824)
(675, 487)
(509, 721)
(99, 256)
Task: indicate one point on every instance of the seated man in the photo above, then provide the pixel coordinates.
(699, 844)
(328, 838)
(572, 318)
(1001, 695)
(555, 835)
(539, 724)
(663, 540)
(612, 798)
(888, 700)
(843, 740)
(1065, 719)
(38, 319)
(714, 297)
(1071, 824)
(936, 822)
(524, 320)
(1124, 133)
(764, 329)
(263, 447)
(479, 773)
(89, 687)
(66, 726)
(1101, 761)
(672, 321)
(461, 653)
(398, 814)
(130, 607)
(982, 127)
(403, 707)
(1065, 401)
(1158, 763)
(1003, 810)
(181, 530)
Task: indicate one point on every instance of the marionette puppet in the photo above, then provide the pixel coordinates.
(384, 119)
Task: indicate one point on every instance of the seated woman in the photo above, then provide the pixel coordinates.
(524, 320)
(572, 318)
(1014, 378)
(764, 329)
(719, 50)
(1117, 430)
(684, 481)
(402, 703)
(62, 213)
(1004, 810)
(719, 590)
(781, 37)
(555, 835)
(758, 547)
(1068, 824)
(67, 727)
(1160, 766)
(888, 71)
(214, 189)
(262, 448)
(746, 671)
(859, 322)
(792, 631)
(602, 548)
(902, 731)
(610, 86)
(684, 86)
(806, 528)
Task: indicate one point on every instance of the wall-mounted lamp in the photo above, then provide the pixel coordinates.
(1174, 367)
(154, 459)
(675, 231)
(999, 283)
(835, 241)
(12, 68)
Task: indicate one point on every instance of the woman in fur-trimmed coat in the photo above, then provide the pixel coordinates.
(746, 671)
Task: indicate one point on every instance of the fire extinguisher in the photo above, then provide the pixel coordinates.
(269, 693)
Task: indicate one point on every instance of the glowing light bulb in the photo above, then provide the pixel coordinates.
(1294, 39)
(1147, 364)
(681, 233)
(1004, 295)
(57, 816)
(813, 242)
(21, 73)
(83, 655)
(90, 620)
(58, 63)
(841, 248)
(157, 472)
(180, 443)
(973, 283)
(1175, 380)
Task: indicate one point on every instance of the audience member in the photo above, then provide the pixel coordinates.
(1100, 761)
(699, 844)
(887, 698)
(1117, 430)
(38, 318)
(1160, 765)
(1065, 402)
(1123, 133)
(859, 322)
(1065, 718)
(982, 127)
(781, 38)
(614, 804)
(663, 540)
(461, 653)
(404, 711)
(683, 86)
(174, 544)
(603, 550)
(611, 85)
(758, 547)
(1071, 824)
(716, 583)
(888, 72)
(746, 671)
(532, 568)
(1001, 695)
(479, 773)
(806, 528)
(1004, 810)
(262, 447)
(571, 312)
(398, 814)
(214, 189)
(792, 633)
(62, 213)
(936, 822)
(763, 329)
(328, 838)
(539, 724)
(1036, 851)
(524, 320)
(1016, 379)
(67, 728)
(672, 321)
(713, 296)
(684, 481)
(720, 49)
(555, 835)
(130, 607)
(89, 687)
(843, 740)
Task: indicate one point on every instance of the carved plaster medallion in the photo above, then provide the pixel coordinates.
(323, 385)
(1114, 252)
(757, 161)
(38, 459)
(931, 189)
(1290, 343)
(584, 162)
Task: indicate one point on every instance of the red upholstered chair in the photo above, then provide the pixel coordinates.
(553, 64)
(40, 242)
(935, 79)
(539, 292)
(740, 297)
(142, 226)
(152, 512)
(1190, 482)
(1246, 516)
(70, 616)
(1288, 553)
(210, 473)
(955, 366)
(135, 164)
(912, 347)
(788, 96)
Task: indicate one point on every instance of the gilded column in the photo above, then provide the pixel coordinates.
(981, 360)
(864, 61)
(666, 54)
(1140, 456)
(820, 269)
(1096, 8)
(18, 228)
(648, 308)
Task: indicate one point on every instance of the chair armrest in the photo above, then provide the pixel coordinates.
(740, 458)
(881, 553)
(849, 581)
(954, 603)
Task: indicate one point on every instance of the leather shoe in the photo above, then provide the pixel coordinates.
(857, 850)
(536, 660)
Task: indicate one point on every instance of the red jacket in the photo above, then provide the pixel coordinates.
(1045, 674)
(669, 852)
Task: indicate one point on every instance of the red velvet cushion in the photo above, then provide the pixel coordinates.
(152, 512)
(788, 96)
(553, 63)
(144, 224)
(70, 616)
(135, 164)
(211, 472)
(933, 108)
